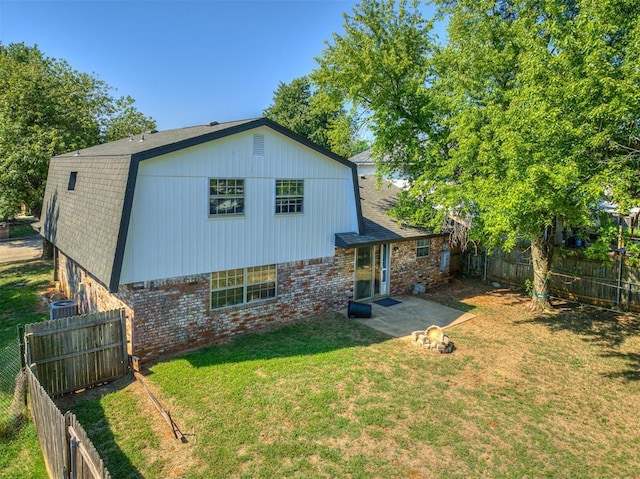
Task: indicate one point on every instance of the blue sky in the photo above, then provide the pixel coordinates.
(184, 62)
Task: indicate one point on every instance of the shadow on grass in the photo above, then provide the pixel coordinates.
(606, 329)
(89, 411)
(20, 286)
(319, 335)
(460, 306)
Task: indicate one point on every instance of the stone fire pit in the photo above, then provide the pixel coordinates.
(433, 339)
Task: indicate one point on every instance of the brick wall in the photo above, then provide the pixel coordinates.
(172, 315)
(92, 296)
(407, 269)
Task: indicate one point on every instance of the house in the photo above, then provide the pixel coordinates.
(208, 231)
(364, 162)
(366, 166)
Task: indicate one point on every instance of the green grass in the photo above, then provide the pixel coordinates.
(524, 395)
(20, 286)
(21, 230)
(20, 455)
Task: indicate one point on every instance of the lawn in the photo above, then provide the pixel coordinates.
(20, 286)
(21, 228)
(524, 395)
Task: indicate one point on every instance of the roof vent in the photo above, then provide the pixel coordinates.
(213, 123)
(258, 145)
(142, 137)
(153, 131)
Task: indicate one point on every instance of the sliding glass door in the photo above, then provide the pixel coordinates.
(372, 271)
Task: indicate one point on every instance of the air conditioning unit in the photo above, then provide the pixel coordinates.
(63, 309)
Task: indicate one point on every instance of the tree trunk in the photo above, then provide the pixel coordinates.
(541, 251)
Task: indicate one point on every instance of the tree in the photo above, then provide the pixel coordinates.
(304, 111)
(47, 108)
(530, 113)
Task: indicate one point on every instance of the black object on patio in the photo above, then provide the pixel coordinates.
(358, 310)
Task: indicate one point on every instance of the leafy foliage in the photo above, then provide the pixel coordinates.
(47, 108)
(529, 113)
(300, 108)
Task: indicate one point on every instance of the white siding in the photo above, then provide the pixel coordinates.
(171, 234)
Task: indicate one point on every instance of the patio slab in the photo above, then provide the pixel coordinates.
(412, 314)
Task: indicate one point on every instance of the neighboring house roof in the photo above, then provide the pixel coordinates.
(364, 158)
(91, 224)
(379, 227)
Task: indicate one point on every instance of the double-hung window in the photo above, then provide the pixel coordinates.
(423, 248)
(226, 197)
(289, 196)
(242, 285)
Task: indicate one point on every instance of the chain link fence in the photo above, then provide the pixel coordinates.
(12, 389)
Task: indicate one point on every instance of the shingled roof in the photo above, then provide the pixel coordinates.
(89, 222)
(376, 200)
(364, 158)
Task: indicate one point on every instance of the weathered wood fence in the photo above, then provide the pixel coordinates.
(77, 352)
(68, 452)
(614, 283)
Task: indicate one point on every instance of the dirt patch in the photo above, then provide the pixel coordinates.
(522, 392)
(176, 456)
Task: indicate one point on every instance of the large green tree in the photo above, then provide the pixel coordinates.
(530, 113)
(302, 109)
(47, 108)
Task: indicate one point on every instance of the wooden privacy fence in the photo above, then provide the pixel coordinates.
(77, 352)
(613, 283)
(68, 452)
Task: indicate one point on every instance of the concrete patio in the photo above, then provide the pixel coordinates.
(411, 314)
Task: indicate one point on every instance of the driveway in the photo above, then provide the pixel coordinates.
(20, 249)
(412, 314)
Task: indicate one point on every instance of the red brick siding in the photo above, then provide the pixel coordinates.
(172, 315)
(407, 269)
(92, 296)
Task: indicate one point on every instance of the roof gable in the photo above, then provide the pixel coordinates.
(91, 223)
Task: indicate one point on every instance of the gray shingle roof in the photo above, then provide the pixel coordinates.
(84, 223)
(178, 138)
(379, 227)
(363, 158)
(90, 223)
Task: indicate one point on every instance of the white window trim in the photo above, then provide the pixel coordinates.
(422, 248)
(243, 196)
(245, 286)
(301, 197)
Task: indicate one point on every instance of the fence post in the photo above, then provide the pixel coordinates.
(71, 445)
(484, 274)
(619, 289)
(72, 467)
(20, 328)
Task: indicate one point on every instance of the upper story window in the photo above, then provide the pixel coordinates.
(289, 196)
(423, 248)
(226, 197)
(73, 176)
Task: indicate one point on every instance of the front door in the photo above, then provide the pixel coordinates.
(372, 271)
